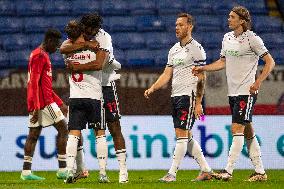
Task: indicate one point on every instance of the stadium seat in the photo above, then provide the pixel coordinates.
(36, 24)
(161, 57)
(197, 7)
(19, 59)
(139, 58)
(57, 7)
(35, 40)
(208, 23)
(273, 40)
(11, 25)
(16, 42)
(4, 59)
(267, 24)
(212, 40)
(57, 60)
(112, 8)
(120, 23)
(170, 22)
(255, 7)
(278, 56)
(160, 40)
(142, 7)
(80, 7)
(128, 41)
(29, 8)
(119, 55)
(149, 23)
(166, 7)
(7, 8)
(59, 22)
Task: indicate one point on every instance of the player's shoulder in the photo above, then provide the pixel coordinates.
(195, 45)
(175, 46)
(251, 35)
(38, 53)
(103, 34)
(228, 34)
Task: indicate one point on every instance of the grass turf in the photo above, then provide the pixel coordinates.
(143, 179)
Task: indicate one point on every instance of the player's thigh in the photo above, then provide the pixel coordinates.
(94, 115)
(111, 104)
(77, 114)
(50, 115)
(182, 112)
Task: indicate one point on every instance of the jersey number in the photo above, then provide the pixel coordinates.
(78, 76)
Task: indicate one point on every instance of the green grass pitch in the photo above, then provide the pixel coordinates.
(143, 179)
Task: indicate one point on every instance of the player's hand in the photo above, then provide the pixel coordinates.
(92, 45)
(34, 118)
(198, 111)
(255, 87)
(64, 109)
(197, 70)
(148, 92)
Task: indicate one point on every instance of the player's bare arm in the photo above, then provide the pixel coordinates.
(101, 58)
(215, 66)
(199, 95)
(162, 80)
(68, 47)
(268, 67)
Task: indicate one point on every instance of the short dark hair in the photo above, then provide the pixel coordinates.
(244, 14)
(92, 20)
(52, 34)
(190, 19)
(73, 30)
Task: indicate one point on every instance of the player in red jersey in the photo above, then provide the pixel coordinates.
(43, 105)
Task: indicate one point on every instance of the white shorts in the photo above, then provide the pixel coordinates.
(50, 115)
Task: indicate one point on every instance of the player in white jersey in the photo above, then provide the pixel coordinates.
(187, 93)
(92, 23)
(240, 53)
(85, 94)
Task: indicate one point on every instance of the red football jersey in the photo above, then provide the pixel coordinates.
(39, 88)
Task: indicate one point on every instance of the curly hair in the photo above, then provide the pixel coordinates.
(92, 20)
(244, 14)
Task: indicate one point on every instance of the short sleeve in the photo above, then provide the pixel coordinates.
(170, 60)
(257, 46)
(222, 53)
(105, 41)
(199, 56)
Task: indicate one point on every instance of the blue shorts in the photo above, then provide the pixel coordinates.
(111, 104)
(242, 108)
(84, 111)
(183, 111)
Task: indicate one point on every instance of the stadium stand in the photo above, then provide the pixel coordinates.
(145, 27)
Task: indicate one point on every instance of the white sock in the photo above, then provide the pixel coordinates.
(62, 161)
(102, 153)
(26, 172)
(235, 151)
(121, 157)
(179, 153)
(80, 159)
(255, 154)
(195, 150)
(71, 151)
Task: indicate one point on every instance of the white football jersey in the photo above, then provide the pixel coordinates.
(86, 84)
(109, 73)
(182, 59)
(242, 54)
